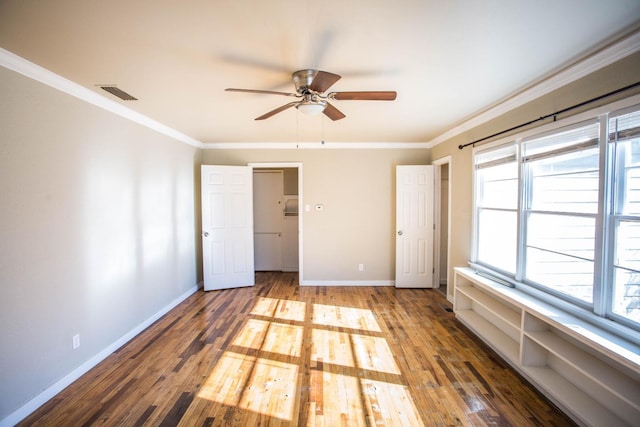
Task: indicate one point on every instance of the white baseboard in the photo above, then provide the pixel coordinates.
(347, 283)
(29, 407)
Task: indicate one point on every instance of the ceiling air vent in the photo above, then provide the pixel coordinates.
(119, 93)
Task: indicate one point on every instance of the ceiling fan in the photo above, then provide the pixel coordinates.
(311, 86)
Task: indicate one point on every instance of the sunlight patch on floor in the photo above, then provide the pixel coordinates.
(354, 378)
(290, 310)
(255, 384)
(265, 307)
(284, 339)
(389, 404)
(228, 378)
(331, 347)
(334, 400)
(345, 317)
(373, 353)
(271, 390)
(252, 334)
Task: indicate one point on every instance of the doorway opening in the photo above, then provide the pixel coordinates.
(442, 244)
(277, 220)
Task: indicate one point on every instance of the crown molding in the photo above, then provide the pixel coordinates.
(600, 59)
(312, 145)
(20, 65)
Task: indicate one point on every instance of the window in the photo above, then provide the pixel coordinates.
(559, 212)
(497, 207)
(624, 148)
(560, 209)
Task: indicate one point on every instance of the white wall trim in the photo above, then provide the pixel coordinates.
(602, 58)
(347, 283)
(311, 145)
(446, 160)
(29, 407)
(29, 69)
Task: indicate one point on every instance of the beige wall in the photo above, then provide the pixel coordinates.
(357, 190)
(97, 232)
(618, 75)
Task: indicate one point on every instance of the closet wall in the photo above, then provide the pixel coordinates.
(275, 219)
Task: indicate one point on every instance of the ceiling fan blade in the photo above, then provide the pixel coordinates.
(364, 96)
(269, 92)
(333, 113)
(276, 111)
(323, 81)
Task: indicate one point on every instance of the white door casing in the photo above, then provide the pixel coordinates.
(227, 227)
(442, 211)
(414, 226)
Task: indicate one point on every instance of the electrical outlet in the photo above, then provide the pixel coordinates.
(360, 267)
(76, 341)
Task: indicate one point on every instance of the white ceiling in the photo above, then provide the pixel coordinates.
(447, 59)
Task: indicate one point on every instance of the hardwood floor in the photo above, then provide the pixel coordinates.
(284, 355)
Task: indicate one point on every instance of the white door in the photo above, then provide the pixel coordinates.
(227, 227)
(414, 226)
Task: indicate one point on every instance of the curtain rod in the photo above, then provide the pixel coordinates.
(573, 107)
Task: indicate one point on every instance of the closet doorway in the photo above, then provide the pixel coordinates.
(277, 194)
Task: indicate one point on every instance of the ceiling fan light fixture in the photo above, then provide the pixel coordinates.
(312, 108)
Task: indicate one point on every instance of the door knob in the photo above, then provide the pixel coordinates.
(205, 234)
(400, 233)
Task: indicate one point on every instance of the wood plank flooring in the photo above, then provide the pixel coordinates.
(279, 354)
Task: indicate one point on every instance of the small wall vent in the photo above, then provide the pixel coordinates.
(119, 93)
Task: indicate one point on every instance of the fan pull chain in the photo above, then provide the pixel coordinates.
(298, 128)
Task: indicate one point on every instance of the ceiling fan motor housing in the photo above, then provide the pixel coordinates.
(302, 80)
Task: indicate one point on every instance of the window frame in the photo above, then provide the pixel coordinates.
(478, 194)
(527, 209)
(611, 220)
(600, 311)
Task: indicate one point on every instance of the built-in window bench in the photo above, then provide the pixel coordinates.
(587, 372)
